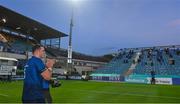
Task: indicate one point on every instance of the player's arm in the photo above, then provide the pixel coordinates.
(47, 73)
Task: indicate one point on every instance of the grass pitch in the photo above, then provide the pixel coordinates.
(73, 91)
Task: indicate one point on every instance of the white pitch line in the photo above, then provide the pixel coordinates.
(4, 95)
(152, 96)
(130, 94)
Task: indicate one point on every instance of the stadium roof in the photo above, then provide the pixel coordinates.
(25, 25)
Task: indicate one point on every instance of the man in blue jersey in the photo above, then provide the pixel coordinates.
(37, 75)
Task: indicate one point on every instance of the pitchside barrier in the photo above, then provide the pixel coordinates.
(168, 80)
(146, 79)
(70, 77)
(107, 77)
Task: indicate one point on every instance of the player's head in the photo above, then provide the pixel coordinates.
(38, 51)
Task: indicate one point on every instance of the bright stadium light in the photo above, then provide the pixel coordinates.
(3, 20)
(75, 3)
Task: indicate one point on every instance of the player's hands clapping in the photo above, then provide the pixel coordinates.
(50, 63)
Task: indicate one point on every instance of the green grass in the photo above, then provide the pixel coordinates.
(98, 92)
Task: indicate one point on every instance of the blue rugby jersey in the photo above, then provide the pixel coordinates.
(33, 82)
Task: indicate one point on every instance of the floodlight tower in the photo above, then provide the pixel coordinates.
(69, 59)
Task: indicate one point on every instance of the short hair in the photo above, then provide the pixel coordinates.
(37, 46)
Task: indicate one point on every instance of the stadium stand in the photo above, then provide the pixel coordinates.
(16, 44)
(165, 61)
(118, 65)
(162, 61)
(19, 33)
